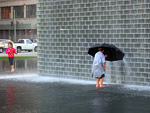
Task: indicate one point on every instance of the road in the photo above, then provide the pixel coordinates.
(21, 54)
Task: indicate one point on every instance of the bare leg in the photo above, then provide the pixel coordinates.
(12, 68)
(97, 84)
(101, 82)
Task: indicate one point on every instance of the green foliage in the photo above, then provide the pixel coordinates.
(19, 57)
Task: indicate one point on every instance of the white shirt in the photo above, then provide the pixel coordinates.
(99, 58)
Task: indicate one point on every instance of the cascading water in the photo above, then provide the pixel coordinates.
(127, 70)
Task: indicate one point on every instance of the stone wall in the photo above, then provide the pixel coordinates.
(67, 28)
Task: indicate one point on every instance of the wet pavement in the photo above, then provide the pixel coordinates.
(26, 92)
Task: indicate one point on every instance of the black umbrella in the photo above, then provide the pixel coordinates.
(113, 53)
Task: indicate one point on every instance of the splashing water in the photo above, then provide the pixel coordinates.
(34, 78)
(17, 76)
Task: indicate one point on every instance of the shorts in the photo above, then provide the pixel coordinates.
(11, 59)
(103, 75)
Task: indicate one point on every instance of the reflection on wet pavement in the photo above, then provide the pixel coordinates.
(26, 92)
(10, 98)
(23, 97)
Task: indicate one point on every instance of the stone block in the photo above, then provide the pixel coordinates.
(66, 29)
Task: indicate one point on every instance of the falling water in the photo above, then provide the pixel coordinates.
(30, 73)
(108, 72)
(118, 72)
(127, 70)
(127, 67)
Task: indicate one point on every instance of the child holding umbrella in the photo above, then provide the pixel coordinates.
(98, 69)
(97, 51)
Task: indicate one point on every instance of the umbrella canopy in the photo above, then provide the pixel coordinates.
(113, 53)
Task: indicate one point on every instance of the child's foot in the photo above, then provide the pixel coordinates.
(97, 86)
(12, 70)
(101, 86)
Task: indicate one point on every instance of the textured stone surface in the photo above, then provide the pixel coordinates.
(67, 28)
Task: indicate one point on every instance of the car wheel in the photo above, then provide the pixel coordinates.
(1, 50)
(18, 50)
(36, 49)
(29, 50)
